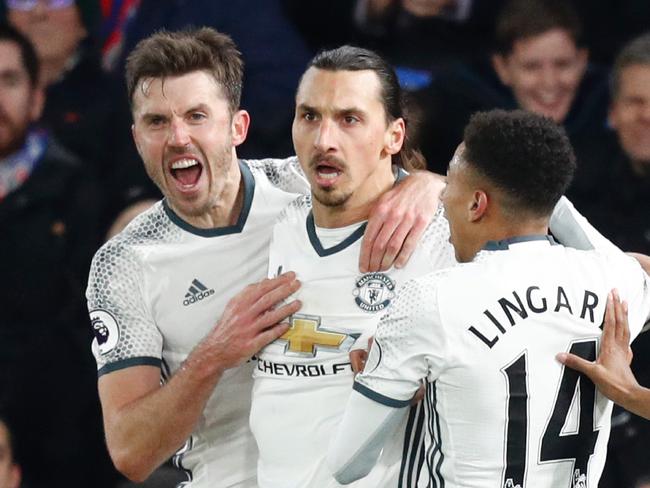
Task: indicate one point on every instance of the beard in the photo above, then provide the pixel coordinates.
(328, 197)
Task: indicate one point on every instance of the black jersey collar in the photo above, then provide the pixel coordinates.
(504, 244)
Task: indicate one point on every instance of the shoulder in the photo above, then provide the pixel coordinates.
(296, 211)
(150, 227)
(272, 168)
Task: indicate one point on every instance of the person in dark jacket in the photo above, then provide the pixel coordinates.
(48, 229)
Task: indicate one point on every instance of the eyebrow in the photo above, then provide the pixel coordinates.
(338, 111)
(11, 73)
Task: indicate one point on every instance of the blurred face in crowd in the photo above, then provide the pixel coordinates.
(54, 26)
(20, 102)
(9, 471)
(630, 112)
(342, 137)
(460, 198)
(186, 135)
(544, 72)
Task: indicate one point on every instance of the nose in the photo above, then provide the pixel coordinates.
(325, 136)
(645, 111)
(179, 134)
(549, 79)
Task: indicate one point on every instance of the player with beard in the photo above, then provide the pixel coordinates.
(163, 295)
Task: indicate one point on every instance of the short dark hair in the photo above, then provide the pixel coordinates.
(520, 19)
(177, 53)
(526, 156)
(28, 55)
(636, 52)
(352, 58)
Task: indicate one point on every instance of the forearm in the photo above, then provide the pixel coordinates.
(357, 443)
(144, 433)
(638, 401)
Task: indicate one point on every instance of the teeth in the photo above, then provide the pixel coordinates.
(328, 176)
(184, 163)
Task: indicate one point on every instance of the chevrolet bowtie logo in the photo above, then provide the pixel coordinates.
(304, 336)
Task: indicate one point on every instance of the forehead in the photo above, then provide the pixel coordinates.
(327, 89)
(635, 80)
(553, 43)
(10, 56)
(178, 92)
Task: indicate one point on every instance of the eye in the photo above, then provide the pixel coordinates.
(156, 121)
(351, 119)
(197, 116)
(309, 116)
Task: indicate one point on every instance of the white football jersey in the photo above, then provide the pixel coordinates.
(502, 411)
(161, 285)
(303, 379)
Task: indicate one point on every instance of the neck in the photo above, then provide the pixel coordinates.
(507, 229)
(358, 206)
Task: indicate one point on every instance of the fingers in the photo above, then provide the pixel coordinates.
(419, 395)
(609, 323)
(412, 239)
(620, 316)
(358, 360)
(378, 232)
(278, 291)
(270, 334)
(273, 316)
(575, 362)
(369, 236)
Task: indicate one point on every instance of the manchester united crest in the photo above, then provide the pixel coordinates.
(373, 292)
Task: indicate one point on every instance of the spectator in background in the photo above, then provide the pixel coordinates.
(86, 108)
(619, 206)
(425, 34)
(48, 226)
(620, 155)
(539, 65)
(9, 469)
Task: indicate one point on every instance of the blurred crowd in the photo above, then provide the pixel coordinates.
(69, 169)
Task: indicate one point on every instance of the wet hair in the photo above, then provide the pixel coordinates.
(351, 58)
(28, 55)
(528, 157)
(636, 52)
(521, 19)
(178, 53)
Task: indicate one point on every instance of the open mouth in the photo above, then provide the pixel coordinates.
(186, 172)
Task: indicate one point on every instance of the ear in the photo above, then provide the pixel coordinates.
(500, 65)
(583, 59)
(38, 101)
(134, 133)
(394, 136)
(478, 206)
(239, 126)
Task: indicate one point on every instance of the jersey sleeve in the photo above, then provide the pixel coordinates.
(124, 330)
(436, 241)
(572, 229)
(409, 346)
(285, 174)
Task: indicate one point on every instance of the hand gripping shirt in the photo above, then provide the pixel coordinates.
(156, 289)
(303, 379)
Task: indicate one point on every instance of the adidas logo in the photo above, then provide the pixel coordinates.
(198, 291)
